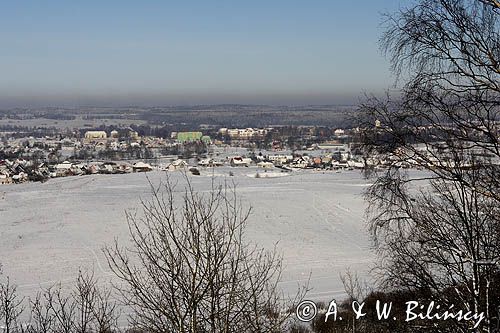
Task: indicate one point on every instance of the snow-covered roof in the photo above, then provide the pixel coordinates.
(142, 165)
(65, 165)
(179, 162)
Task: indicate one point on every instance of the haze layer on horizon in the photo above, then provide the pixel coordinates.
(111, 53)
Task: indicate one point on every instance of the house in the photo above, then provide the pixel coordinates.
(63, 169)
(95, 135)
(317, 162)
(326, 160)
(280, 159)
(177, 165)
(124, 167)
(133, 135)
(141, 167)
(183, 137)
(240, 161)
(244, 133)
(92, 169)
(356, 164)
(209, 162)
(20, 177)
(206, 140)
(108, 168)
(339, 132)
(301, 162)
(5, 179)
(265, 165)
(4, 171)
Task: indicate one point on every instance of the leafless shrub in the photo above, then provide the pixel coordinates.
(88, 308)
(10, 307)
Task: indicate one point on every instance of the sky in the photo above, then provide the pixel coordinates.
(120, 52)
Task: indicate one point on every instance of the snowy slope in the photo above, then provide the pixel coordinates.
(48, 231)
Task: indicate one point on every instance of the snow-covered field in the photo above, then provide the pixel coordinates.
(49, 230)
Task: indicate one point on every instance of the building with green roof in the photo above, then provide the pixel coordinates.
(183, 137)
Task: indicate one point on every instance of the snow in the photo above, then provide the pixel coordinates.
(49, 230)
(265, 174)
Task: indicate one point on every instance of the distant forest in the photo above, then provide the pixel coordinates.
(196, 116)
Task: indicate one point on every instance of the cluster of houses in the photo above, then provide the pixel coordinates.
(92, 142)
(62, 155)
(37, 159)
(294, 162)
(19, 170)
(12, 172)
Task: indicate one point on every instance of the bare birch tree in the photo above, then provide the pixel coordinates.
(438, 231)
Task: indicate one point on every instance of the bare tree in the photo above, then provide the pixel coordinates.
(41, 317)
(87, 308)
(105, 311)
(438, 231)
(190, 269)
(357, 290)
(443, 241)
(10, 307)
(95, 311)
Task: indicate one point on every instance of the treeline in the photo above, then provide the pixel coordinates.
(193, 117)
(17, 131)
(251, 118)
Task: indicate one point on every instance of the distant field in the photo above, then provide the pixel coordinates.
(49, 230)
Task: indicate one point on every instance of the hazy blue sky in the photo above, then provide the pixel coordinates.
(189, 52)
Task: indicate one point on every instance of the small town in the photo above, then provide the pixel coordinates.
(125, 150)
(118, 151)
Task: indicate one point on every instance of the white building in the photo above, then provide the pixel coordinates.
(339, 132)
(280, 159)
(177, 165)
(141, 167)
(95, 135)
(240, 161)
(245, 133)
